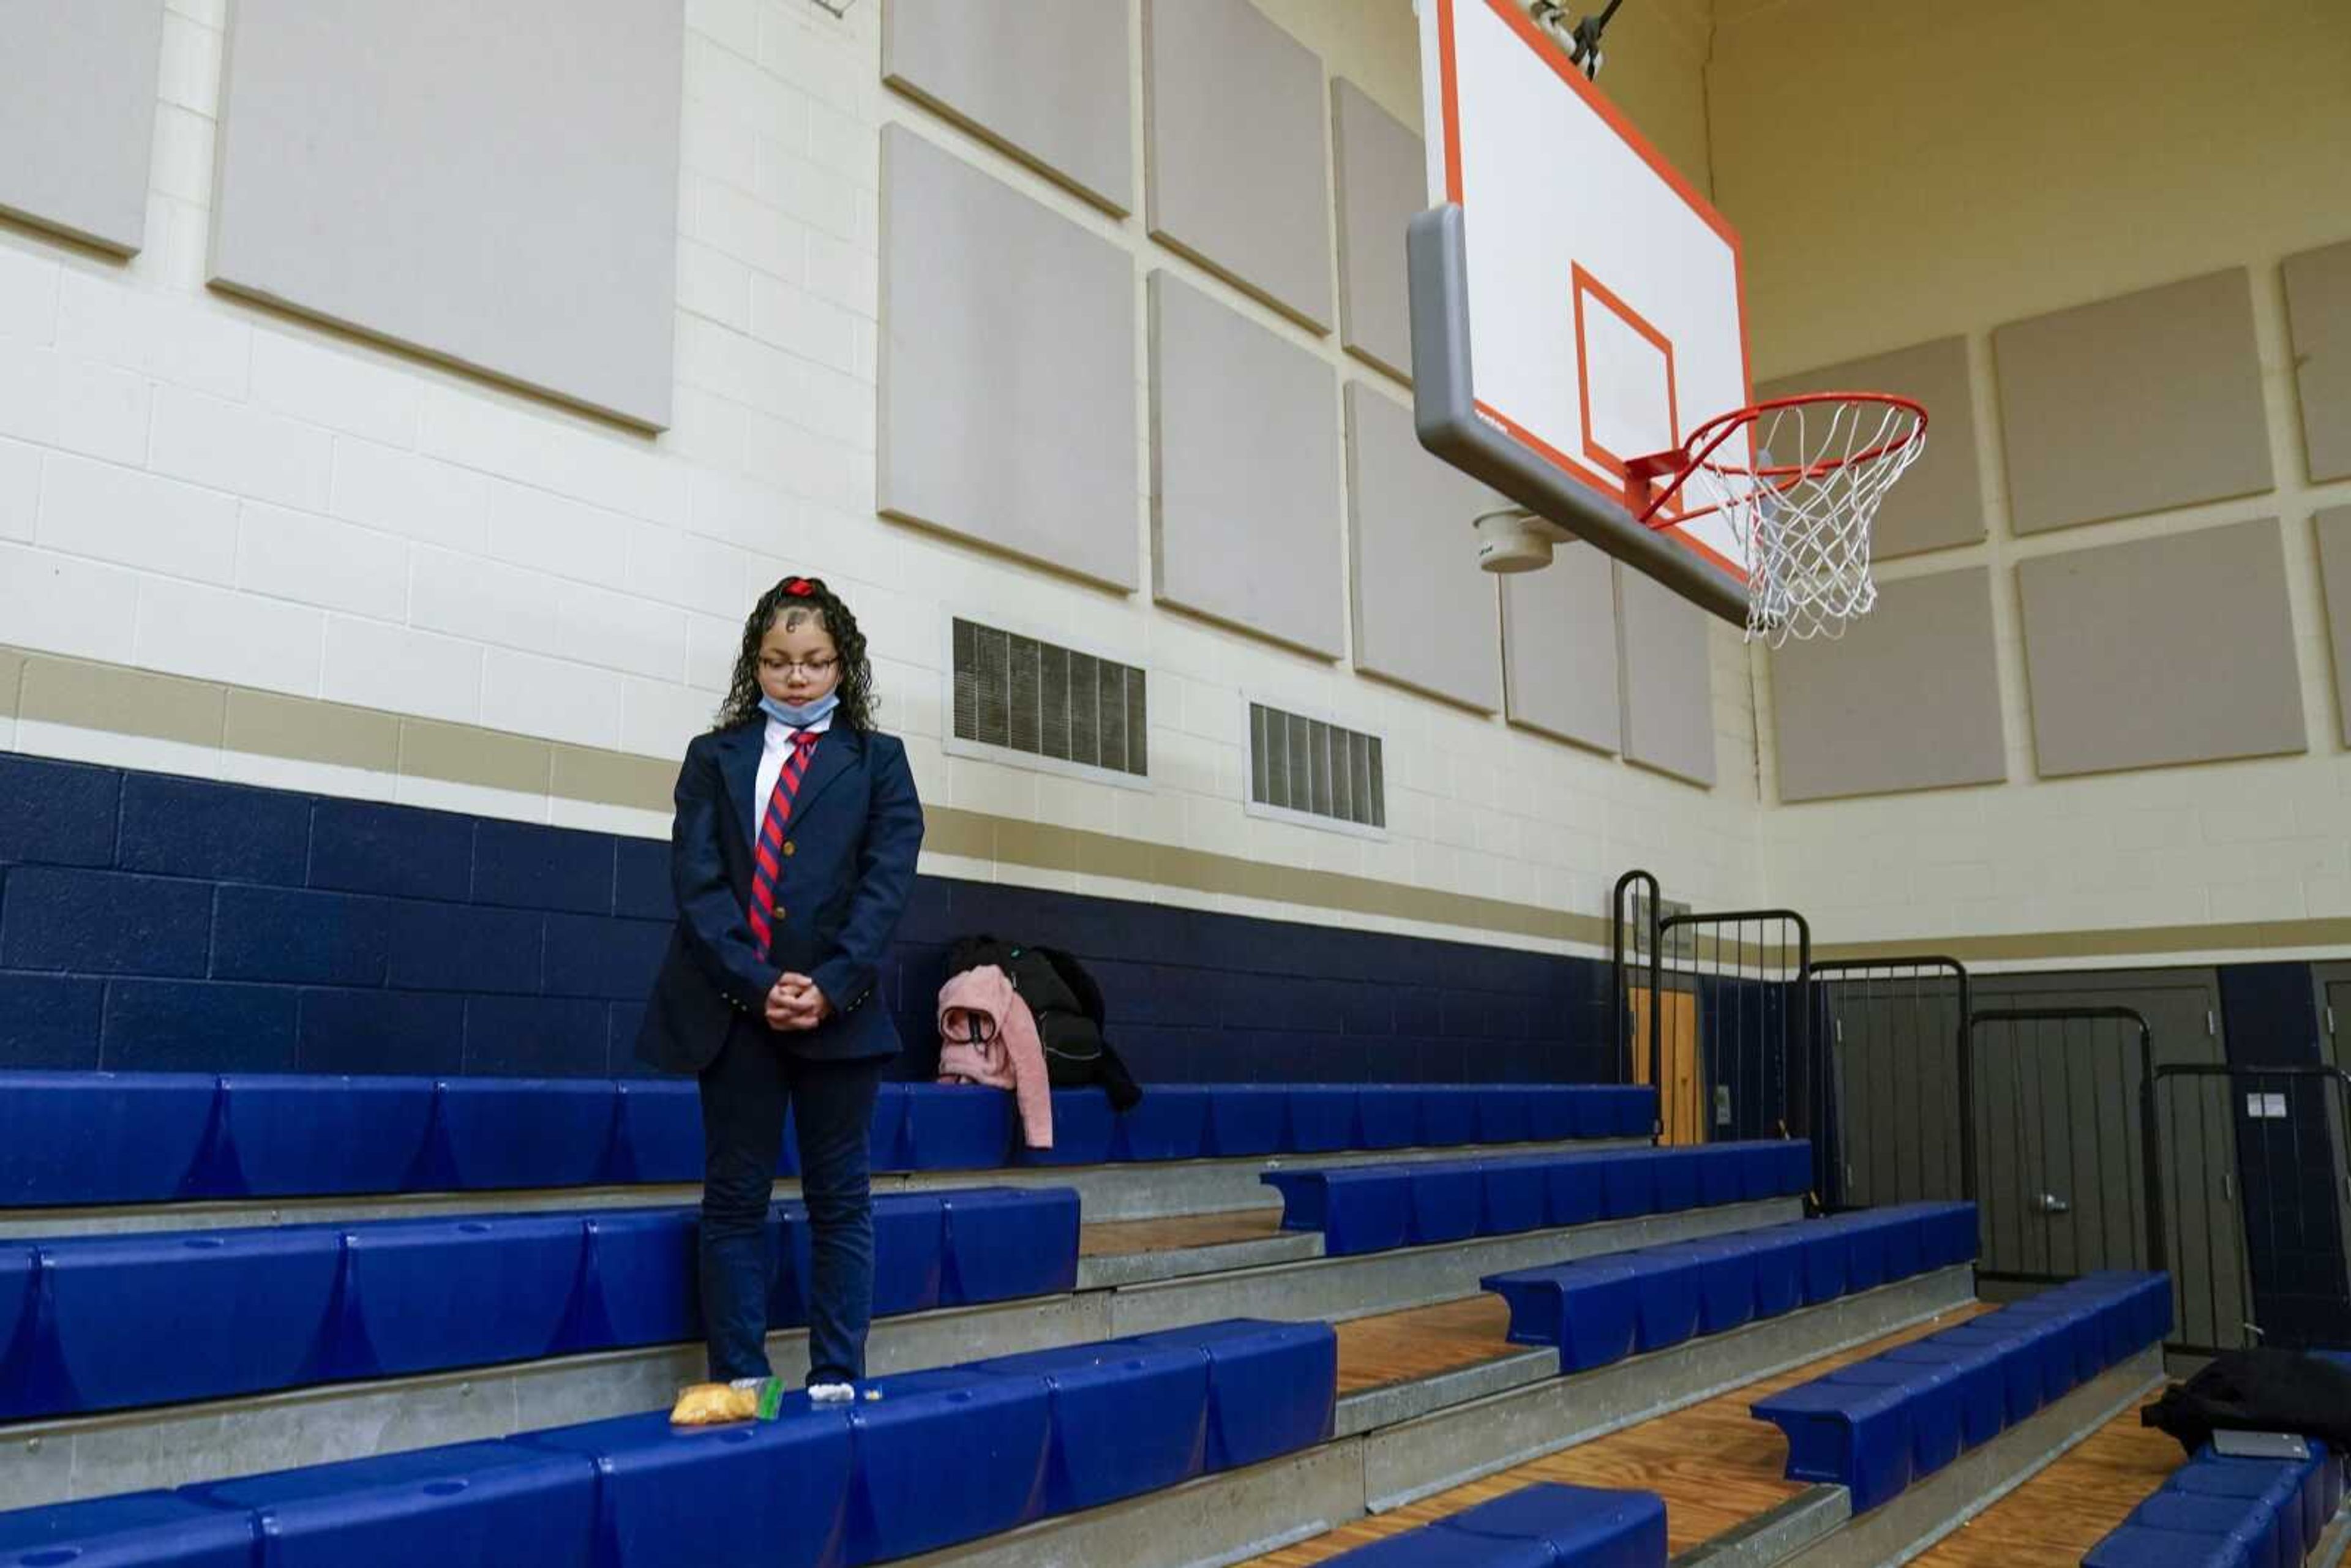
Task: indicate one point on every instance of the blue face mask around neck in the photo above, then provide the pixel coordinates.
(803, 716)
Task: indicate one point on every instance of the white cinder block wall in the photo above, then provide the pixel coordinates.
(199, 486)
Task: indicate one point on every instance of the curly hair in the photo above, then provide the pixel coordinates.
(856, 688)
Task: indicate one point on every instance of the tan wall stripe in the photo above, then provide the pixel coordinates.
(88, 694)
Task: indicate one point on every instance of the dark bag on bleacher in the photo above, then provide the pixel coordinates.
(1068, 1007)
(2258, 1391)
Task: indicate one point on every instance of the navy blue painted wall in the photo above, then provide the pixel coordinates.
(153, 923)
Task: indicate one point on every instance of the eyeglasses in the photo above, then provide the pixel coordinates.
(816, 667)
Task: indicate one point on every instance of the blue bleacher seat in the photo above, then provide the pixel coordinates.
(1864, 1252)
(472, 1504)
(1447, 1201)
(1958, 1387)
(1551, 1110)
(1617, 1111)
(1245, 1119)
(1127, 1418)
(1722, 1173)
(1504, 1114)
(423, 1294)
(18, 1270)
(955, 1127)
(1932, 1417)
(1977, 1380)
(1083, 1130)
(1725, 1281)
(1791, 1160)
(101, 1137)
(1169, 1123)
(1545, 1525)
(1673, 1173)
(1586, 1526)
(1947, 1234)
(640, 1281)
(1857, 1436)
(1572, 1190)
(2259, 1532)
(1826, 1251)
(908, 1232)
(138, 1529)
(1448, 1115)
(1388, 1115)
(887, 1136)
(1322, 1118)
(1665, 1301)
(1002, 1243)
(245, 1309)
(1511, 1196)
(1779, 1257)
(1584, 1307)
(1628, 1184)
(1272, 1387)
(657, 1133)
(669, 1495)
(2137, 1546)
(2022, 1388)
(944, 1457)
(501, 1133)
(294, 1134)
(1904, 1254)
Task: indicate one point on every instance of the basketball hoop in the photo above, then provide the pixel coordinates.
(1801, 491)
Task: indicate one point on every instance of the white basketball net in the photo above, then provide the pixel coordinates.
(1804, 503)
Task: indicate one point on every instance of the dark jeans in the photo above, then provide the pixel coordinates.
(745, 1093)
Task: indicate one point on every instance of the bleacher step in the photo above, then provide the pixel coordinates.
(1110, 1192)
(1224, 1519)
(1775, 1534)
(1339, 1289)
(99, 1456)
(1830, 1536)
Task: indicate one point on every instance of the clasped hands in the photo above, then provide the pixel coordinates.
(797, 1003)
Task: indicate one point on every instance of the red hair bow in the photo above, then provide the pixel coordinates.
(800, 587)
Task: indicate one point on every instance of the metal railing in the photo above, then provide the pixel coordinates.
(2253, 1203)
(1748, 1070)
(1900, 1092)
(1620, 995)
(2062, 1103)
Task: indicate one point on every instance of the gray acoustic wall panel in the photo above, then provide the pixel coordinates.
(2318, 301)
(1667, 678)
(2334, 572)
(1909, 698)
(1559, 648)
(1245, 472)
(1382, 182)
(1425, 613)
(1233, 150)
(1045, 80)
(2134, 404)
(1007, 374)
(2175, 649)
(492, 184)
(1940, 502)
(78, 115)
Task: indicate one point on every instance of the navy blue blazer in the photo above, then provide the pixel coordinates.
(849, 865)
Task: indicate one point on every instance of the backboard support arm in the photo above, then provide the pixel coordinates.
(1445, 414)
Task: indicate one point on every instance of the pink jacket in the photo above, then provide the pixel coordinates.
(1007, 1054)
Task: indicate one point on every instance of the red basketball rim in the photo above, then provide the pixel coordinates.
(1643, 473)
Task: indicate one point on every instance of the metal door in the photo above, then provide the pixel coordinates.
(1896, 1029)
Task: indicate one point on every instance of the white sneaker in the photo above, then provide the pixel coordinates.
(830, 1393)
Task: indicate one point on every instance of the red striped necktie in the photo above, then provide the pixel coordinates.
(771, 856)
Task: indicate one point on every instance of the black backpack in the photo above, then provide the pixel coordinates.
(1068, 1007)
(2258, 1391)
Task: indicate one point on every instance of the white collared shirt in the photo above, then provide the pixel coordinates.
(773, 749)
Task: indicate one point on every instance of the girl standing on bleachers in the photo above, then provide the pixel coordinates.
(792, 854)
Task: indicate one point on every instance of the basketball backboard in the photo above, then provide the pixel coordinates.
(1576, 304)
